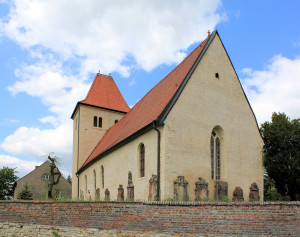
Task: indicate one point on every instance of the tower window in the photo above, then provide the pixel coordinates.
(100, 122)
(217, 75)
(116, 121)
(95, 121)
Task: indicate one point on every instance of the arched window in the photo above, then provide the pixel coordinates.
(142, 160)
(116, 121)
(95, 184)
(102, 175)
(218, 159)
(85, 183)
(100, 122)
(215, 156)
(95, 121)
(212, 156)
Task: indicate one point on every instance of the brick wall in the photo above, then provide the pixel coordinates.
(272, 219)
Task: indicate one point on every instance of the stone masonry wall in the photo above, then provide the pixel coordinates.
(188, 218)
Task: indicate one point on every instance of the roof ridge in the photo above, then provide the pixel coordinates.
(200, 45)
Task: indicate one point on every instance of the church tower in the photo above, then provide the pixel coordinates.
(103, 106)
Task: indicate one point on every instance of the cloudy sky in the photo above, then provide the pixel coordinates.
(50, 52)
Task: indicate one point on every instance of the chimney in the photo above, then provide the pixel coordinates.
(37, 166)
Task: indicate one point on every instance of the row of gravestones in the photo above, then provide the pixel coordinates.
(221, 190)
(180, 190)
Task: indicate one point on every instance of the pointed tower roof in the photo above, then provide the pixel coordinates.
(152, 108)
(104, 93)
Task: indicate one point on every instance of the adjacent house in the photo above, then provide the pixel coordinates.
(38, 181)
(193, 136)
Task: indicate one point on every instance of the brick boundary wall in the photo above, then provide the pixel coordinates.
(205, 218)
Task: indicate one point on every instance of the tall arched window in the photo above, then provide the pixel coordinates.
(95, 121)
(95, 184)
(85, 183)
(218, 159)
(215, 156)
(102, 175)
(212, 156)
(100, 122)
(142, 160)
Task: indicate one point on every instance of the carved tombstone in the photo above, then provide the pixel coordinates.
(152, 188)
(201, 191)
(238, 194)
(97, 196)
(107, 195)
(221, 190)
(130, 187)
(120, 193)
(180, 189)
(81, 195)
(254, 192)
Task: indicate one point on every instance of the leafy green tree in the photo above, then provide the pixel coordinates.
(25, 194)
(270, 191)
(7, 180)
(282, 154)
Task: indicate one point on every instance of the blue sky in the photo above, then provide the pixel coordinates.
(50, 52)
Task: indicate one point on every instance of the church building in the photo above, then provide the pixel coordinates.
(193, 136)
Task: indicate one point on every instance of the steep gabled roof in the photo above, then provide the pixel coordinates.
(104, 93)
(153, 107)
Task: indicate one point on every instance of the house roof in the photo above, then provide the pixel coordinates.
(153, 107)
(104, 93)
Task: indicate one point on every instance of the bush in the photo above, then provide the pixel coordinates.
(25, 194)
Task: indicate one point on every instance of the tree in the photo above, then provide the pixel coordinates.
(54, 171)
(25, 194)
(282, 154)
(69, 179)
(270, 191)
(7, 180)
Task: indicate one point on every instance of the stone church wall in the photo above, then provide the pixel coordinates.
(117, 166)
(32, 218)
(210, 103)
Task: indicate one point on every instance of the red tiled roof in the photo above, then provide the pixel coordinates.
(105, 93)
(149, 108)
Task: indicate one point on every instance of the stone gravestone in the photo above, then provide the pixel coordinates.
(221, 190)
(238, 195)
(180, 189)
(254, 192)
(130, 188)
(107, 195)
(120, 193)
(152, 188)
(81, 195)
(97, 196)
(201, 191)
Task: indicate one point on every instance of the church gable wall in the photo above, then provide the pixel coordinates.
(209, 103)
(117, 165)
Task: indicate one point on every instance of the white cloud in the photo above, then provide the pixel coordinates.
(105, 33)
(275, 89)
(96, 34)
(38, 143)
(23, 167)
